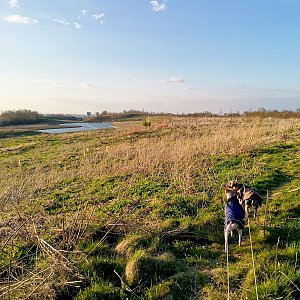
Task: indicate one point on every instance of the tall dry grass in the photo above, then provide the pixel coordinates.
(185, 147)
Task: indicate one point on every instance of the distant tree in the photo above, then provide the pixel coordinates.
(22, 116)
(263, 113)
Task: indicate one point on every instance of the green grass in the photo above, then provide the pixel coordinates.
(145, 235)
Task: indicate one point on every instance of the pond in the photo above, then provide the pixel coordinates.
(74, 127)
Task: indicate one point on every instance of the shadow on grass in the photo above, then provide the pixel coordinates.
(271, 180)
(15, 134)
(287, 233)
(295, 212)
(275, 149)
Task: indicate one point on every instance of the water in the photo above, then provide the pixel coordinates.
(79, 127)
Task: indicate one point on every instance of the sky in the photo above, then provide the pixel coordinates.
(74, 56)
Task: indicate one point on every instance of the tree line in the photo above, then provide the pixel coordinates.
(26, 116)
(22, 116)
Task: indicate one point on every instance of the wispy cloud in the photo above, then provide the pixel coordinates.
(20, 19)
(156, 6)
(62, 21)
(84, 12)
(173, 79)
(77, 25)
(99, 17)
(14, 3)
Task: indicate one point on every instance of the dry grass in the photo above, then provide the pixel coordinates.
(32, 167)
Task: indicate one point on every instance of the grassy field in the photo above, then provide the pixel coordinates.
(137, 213)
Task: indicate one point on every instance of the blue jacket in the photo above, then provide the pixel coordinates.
(234, 211)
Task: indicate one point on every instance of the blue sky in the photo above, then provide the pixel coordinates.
(162, 56)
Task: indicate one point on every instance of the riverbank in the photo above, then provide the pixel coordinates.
(36, 129)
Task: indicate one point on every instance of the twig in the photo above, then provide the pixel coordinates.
(127, 287)
(276, 257)
(12, 235)
(73, 282)
(19, 284)
(43, 242)
(290, 281)
(63, 230)
(50, 250)
(39, 286)
(21, 218)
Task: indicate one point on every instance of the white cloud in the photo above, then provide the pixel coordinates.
(62, 21)
(158, 7)
(84, 12)
(98, 17)
(20, 19)
(14, 3)
(77, 25)
(173, 79)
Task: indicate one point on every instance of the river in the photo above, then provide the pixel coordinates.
(74, 127)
